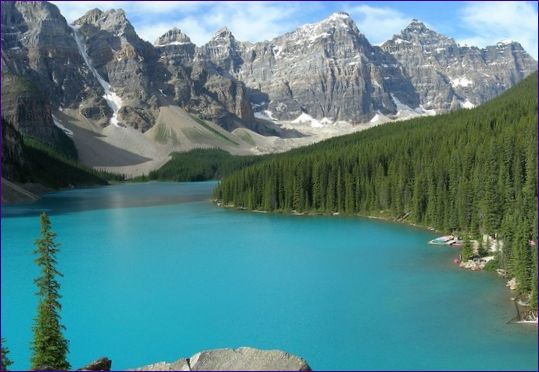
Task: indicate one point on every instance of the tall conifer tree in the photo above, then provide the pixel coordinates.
(49, 347)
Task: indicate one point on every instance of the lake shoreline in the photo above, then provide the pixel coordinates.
(522, 312)
(249, 262)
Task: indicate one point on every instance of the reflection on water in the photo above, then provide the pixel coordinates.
(109, 197)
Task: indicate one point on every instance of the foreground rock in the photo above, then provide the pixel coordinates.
(241, 359)
(102, 364)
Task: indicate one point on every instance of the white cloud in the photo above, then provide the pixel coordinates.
(255, 21)
(72, 10)
(252, 21)
(378, 23)
(490, 22)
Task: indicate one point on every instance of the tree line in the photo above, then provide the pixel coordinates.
(200, 165)
(472, 172)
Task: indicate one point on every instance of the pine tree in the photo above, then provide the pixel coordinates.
(521, 266)
(5, 360)
(467, 251)
(49, 347)
(482, 250)
(533, 302)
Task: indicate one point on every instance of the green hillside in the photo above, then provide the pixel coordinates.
(470, 171)
(200, 165)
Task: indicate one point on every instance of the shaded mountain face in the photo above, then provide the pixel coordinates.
(448, 76)
(41, 70)
(101, 68)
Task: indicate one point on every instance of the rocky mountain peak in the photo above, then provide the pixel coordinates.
(337, 26)
(417, 30)
(223, 49)
(338, 20)
(92, 15)
(418, 36)
(416, 26)
(341, 18)
(173, 37)
(113, 20)
(224, 34)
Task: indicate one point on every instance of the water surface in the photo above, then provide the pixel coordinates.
(155, 272)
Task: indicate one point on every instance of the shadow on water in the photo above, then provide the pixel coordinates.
(111, 197)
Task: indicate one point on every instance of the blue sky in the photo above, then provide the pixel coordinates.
(474, 23)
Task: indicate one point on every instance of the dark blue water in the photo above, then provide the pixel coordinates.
(155, 272)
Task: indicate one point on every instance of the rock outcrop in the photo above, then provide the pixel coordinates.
(101, 364)
(241, 359)
(38, 43)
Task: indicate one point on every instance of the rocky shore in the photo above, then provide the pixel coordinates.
(241, 359)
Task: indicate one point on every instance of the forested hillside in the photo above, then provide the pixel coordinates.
(470, 171)
(200, 165)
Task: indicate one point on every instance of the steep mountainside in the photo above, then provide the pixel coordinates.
(348, 79)
(448, 76)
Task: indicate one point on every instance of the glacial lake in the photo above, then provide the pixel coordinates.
(156, 272)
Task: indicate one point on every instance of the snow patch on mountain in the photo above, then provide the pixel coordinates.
(305, 118)
(113, 100)
(461, 82)
(265, 115)
(172, 43)
(467, 104)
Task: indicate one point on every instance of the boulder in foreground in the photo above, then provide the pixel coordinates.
(241, 359)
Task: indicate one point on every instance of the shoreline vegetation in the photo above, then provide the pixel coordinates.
(470, 173)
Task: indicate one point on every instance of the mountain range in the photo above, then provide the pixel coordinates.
(127, 103)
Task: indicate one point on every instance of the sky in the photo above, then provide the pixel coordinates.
(478, 23)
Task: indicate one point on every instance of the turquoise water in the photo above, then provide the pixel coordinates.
(155, 271)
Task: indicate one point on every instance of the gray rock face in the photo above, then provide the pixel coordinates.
(37, 43)
(242, 359)
(201, 85)
(173, 37)
(327, 69)
(448, 76)
(129, 64)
